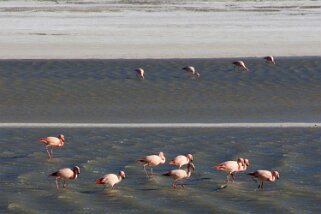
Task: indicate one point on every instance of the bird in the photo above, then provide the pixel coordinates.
(152, 160)
(269, 59)
(64, 174)
(180, 174)
(140, 73)
(181, 160)
(240, 64)
(191, 70)
(109, 180)
(53, 142)
(231, 167)
(264, 175)
(246, 163)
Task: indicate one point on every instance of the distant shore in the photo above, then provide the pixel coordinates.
(182, 29)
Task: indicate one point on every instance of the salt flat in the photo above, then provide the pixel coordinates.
(158, 29)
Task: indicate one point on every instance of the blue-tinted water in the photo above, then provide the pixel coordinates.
(108, 91)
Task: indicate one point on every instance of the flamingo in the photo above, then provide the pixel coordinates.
(240, 64)
(269, 59)
(64, 174)
(231, 167)
(152, 160)
(140, 73)
(264, 175)
(53, 142)
(111, 179)
(181, 160)
(246, 163)
(180, 174)
(191, 69)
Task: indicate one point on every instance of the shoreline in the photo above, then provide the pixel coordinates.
(163, 125)
(165, 59)
(180, 29)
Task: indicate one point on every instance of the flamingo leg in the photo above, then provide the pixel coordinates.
(262, 185)
(48, 152)
(57, 184)
(227, 178)
(146, 171)
(233, 177)
(174, 185)
(151, 171)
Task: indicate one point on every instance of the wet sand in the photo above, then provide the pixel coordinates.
(179, 29)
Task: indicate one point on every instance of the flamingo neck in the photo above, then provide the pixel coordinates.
(61, 143)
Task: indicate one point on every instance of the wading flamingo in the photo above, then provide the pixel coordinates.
(53, 142)
(192, 70)
(64, 174)
(151, 161)
(110, 180)
(180, 174)
(182, 160)
(264, 175)
(269, 59)
(240, 64)
(231, 167)
(140, 73)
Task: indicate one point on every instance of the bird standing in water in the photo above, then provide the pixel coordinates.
(231, 167)
(140, 73)
(240, 64)
(182, 160)
(180, 174)
(264, 175)
(269, 59)
(53, 142)
(110, 180)
(64, 174)
(152, 160)
(192, 70)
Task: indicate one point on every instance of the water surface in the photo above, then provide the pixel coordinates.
(107, 91)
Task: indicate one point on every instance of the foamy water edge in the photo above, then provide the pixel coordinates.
(162, 125)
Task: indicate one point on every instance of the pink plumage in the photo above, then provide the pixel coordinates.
(152, 160)
(53, 142)
(65, 174)
(264, 175)
(240, 64)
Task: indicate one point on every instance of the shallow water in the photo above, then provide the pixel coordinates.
(108, 91)
(293, 152)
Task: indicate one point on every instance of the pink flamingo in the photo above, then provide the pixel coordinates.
(180, 174)
(152, 160)
(240, 64)
(264, 175)
(53, 142)
(191, 69)
(181, 160)
(111, 179)
(231, 167)
(65, 173)
(246, 163)
(140, 73)
(269, 59)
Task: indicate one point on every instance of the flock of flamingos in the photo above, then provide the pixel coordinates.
(109, 180)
